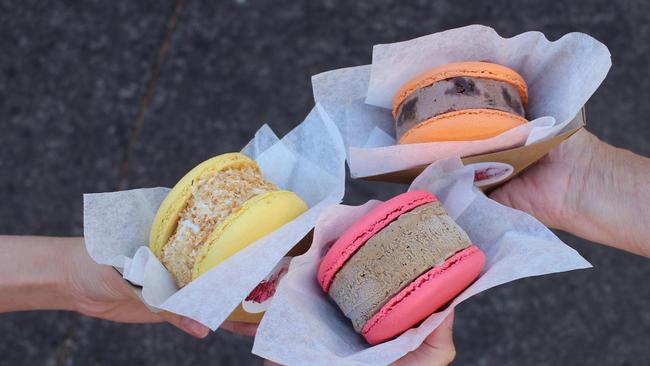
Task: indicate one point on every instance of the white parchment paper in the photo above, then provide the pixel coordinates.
(561, 76)
(117, 224)
(303, 326)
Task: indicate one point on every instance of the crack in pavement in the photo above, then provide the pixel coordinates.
(145, 101)
(64, 350)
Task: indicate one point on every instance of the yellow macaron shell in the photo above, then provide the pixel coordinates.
(258, 217)
(166, 219)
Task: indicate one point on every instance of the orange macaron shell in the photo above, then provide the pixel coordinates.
(463, 125)
(477, 69)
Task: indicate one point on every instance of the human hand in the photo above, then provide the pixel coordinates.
(101, 292)
(550, 189)
(44, 273)
(437, 349)
(587, 188)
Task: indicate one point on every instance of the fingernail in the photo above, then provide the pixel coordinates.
(194, 328)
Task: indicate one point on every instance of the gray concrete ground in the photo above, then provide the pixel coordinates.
(198, 78)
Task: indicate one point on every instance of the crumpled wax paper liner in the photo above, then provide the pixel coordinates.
(117, 224)
(303, 326)
(561, 76)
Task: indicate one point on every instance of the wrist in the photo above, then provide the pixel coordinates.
(69, 264)
(591, 168)
(580, 157)
(590, 157)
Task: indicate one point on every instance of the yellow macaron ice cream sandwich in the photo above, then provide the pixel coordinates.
(217, 209)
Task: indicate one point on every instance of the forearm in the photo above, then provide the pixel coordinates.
(40, 273)
(612, 200)
(33, 273)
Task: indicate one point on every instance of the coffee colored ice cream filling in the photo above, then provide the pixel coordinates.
(457, 94)
(214, 198)
(411, 245)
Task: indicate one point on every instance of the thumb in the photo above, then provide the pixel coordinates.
(437, 349)
(440, 343)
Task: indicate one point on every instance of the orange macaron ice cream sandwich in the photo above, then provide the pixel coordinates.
(461, 101)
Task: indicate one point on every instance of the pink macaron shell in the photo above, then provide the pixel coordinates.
(424, 296)
(362, 230)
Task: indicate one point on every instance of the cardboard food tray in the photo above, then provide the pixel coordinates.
(519, 158)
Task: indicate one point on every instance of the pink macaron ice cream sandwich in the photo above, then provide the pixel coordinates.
(398, 264)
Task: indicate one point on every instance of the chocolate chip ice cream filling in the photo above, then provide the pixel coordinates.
(456, 94)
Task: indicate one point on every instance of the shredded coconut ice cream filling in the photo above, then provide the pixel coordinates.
(214, 197)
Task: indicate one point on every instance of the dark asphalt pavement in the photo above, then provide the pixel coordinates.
(197, 79)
